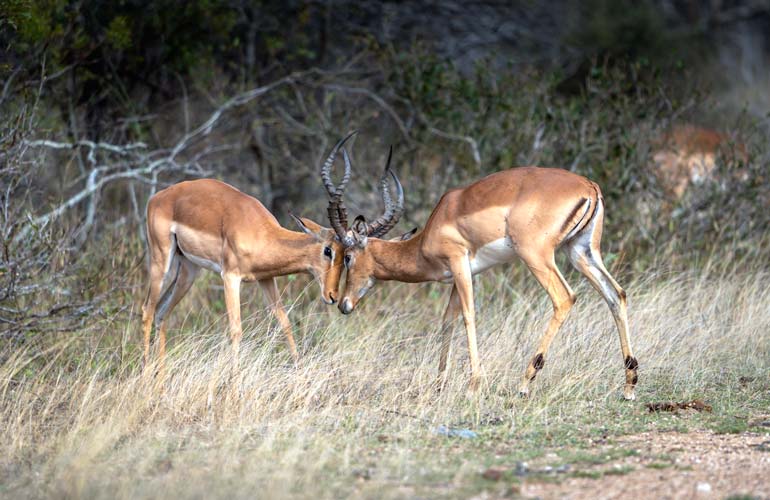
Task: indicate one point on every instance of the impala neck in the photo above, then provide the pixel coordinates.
(399, 260)
(293, 251)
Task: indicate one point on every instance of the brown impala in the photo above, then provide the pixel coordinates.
(686, 155)
(209, 224)
(524, 212)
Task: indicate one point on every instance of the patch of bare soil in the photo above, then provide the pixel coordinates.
(673, 465)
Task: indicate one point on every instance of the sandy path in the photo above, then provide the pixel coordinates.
(703, 465)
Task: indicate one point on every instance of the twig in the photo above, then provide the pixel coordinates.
(470, 140)
(122, 150)
(163, 159)
(376, 98)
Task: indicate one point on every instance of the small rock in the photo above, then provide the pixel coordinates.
(522, 468)
(443, 430)
(704, 488)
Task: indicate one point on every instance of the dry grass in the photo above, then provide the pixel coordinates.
(356, 417)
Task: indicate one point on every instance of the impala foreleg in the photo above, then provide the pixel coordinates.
(562, 298)
(447, 328)
(270, 288)
(463, 280)
(232, 284)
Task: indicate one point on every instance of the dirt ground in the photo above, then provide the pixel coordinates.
(673, 465)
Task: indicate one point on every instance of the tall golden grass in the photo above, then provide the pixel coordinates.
(357, 416)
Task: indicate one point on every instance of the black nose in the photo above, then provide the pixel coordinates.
(332, 298)
(345, 307)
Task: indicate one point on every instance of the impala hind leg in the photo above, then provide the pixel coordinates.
(185, 277)
(270, 288)
(447, 328)
(585, 255)
(163, 271)
(543, 267)
(148, 310)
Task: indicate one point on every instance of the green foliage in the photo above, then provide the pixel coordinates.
(730, 425)
(115, 51)
(119, 33)
(25, 17)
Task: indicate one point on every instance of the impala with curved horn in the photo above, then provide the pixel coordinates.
(208, 224)
(526, 212)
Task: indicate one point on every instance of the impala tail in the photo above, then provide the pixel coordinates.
(585, 211)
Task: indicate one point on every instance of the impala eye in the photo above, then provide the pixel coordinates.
(347, 260)
(328, 252)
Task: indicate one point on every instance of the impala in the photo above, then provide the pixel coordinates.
(526, 212)
(208, 224)
(687, 154)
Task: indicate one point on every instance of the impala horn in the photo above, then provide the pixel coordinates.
(338, 214)
(393, 212)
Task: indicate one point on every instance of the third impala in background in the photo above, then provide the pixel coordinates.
(686, 155)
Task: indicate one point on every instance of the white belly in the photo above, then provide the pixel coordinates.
(493, 253)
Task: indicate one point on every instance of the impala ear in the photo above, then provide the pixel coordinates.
(405, 236)
(308, 226)
(359, 226)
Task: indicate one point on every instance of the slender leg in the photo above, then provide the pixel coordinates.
(544, 268)
(184, 280)
(148, 308)
(232, 283)
(447, 328)
(270, 288)
(586, 256)
(463, 279)
(162, 273)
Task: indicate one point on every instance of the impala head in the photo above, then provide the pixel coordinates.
(325, 263)
(357, 259)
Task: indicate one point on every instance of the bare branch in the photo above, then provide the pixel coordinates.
(466, 138)
(141, 166)
(7, 84)
(376, 98)
(239, 100)
(122, 150)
